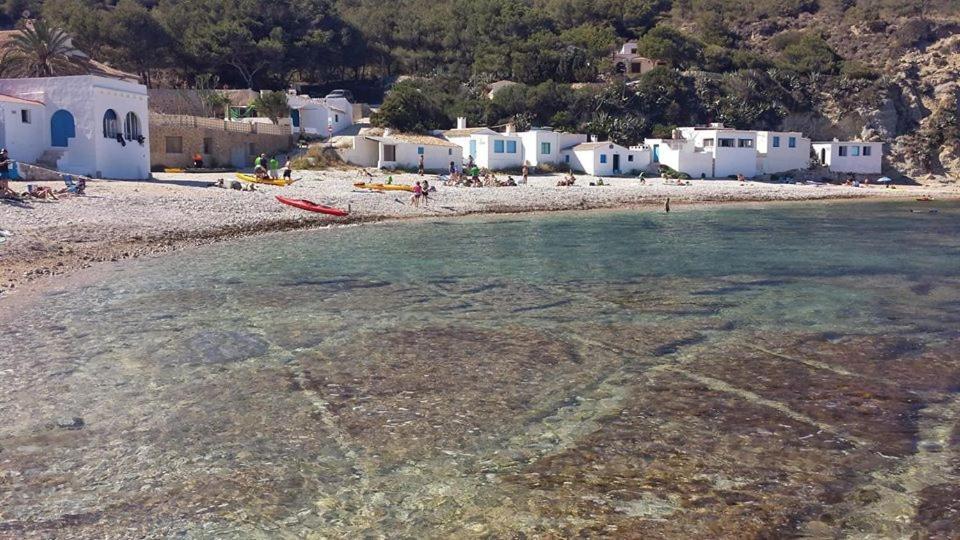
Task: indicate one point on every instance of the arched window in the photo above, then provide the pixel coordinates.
(111, 124)
(131, 127)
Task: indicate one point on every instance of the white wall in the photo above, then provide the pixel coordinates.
(532, 145)
(872, 164)
(87, 98)
(363, 152)
(588, 160)
(24, 142)
(783, 158)
(488, 158)
(435, 158)
(340, 120)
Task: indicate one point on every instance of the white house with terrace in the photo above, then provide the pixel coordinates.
(716, 151)
(851, 157)
(86, 125)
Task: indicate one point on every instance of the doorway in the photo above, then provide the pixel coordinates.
(823, 156)
(616, 163)
(62, 128)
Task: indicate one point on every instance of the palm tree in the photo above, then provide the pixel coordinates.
(40, 51)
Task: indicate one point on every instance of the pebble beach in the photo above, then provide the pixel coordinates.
(119, 219)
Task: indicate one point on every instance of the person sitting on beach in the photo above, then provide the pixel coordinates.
(261, 173)
(417, 193)
(510, 182)
(40, 192)
(742, 179)
(197, 161)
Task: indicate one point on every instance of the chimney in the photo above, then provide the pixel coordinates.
(510, 128)
(461, 122)
(387, 132)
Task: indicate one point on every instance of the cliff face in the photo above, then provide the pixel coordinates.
(914, 103)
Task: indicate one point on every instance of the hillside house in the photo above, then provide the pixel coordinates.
(852, 157)
(323, 117)
(630, 64)
(89, 125)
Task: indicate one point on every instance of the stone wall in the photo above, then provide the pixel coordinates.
(225, 148)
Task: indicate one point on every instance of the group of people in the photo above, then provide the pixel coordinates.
(421, 193)
(34, 191)
(470, 176)
(269, 169)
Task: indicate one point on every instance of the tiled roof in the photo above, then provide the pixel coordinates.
(84, 64)
(410, 138)
(468, 132)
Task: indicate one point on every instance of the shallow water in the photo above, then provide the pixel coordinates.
(721, 372)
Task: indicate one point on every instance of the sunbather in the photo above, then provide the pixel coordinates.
(40, 192)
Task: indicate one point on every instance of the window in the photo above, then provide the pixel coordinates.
(131, 127)
(630, 158)
(111, 124)
(867, 151)
(511, 147)
(708, 143)
(498, 147)
(776, 142)
(726, 143)
(207, 145)
(419, 150)
(545, 148)
(25, 116)
(566, 158)
(603, 158)
(793, 142)
(449, 151)
(842, 151)
(336, 118)
(745, 143)
(174, 145)
(855, 151)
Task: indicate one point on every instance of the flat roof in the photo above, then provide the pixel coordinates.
(14, 99)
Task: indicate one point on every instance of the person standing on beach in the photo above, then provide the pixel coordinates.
(420, 166)
(666, 207)
(425, 196)
(5, 174)
(417, 193)
(288, 171)
(274, 168)
(526, 172)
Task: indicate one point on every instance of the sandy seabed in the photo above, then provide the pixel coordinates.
(120, 219)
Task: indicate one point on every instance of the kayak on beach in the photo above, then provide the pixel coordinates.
(384, 187)
(269, 181)
(311, 206)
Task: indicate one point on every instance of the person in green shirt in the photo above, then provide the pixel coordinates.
(274, 168)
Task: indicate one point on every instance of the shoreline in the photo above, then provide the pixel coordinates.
(55, 250)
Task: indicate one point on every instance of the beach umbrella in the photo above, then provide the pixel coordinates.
(884, 180)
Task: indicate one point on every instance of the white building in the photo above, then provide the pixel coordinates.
(400, 151)
(854, 157)
(782, 151)
(85, 125)
(321, 117)
(627, 62)
(489, 149)
(606, 159)
(543, 146)
(708, 152)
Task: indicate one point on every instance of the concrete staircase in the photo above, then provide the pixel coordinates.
(50, 158)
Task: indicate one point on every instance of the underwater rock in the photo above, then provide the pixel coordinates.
(226, 347)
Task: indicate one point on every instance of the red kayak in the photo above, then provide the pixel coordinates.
(304, 204)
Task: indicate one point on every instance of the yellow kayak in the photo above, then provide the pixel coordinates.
(174, 170)
(383, 187)
(253, 179)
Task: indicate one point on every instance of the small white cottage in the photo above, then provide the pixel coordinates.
(489, 149)
(853, 157)
(399, 151)
(543, 146)
(323, 117)
(86, 125)
(606, 159)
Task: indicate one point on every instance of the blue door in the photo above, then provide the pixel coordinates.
(473, 149)
(295, 117)
(62, 128)
(656, 153)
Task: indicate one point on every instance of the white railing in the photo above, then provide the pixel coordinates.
(179, 120)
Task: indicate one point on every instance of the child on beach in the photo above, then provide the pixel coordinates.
(425, 195)
(417, 193)
(287, 171)
(274, 166)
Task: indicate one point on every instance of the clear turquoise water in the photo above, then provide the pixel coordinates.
(409, 377)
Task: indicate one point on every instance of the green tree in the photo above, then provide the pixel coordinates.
(273, 105)
(40, 51)
(407, 108)
(671, 45)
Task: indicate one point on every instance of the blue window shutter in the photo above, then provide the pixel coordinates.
(420, 150)
(511, 147)
(603, 158)
(498, 147)
(776, 142)
(793, 142)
